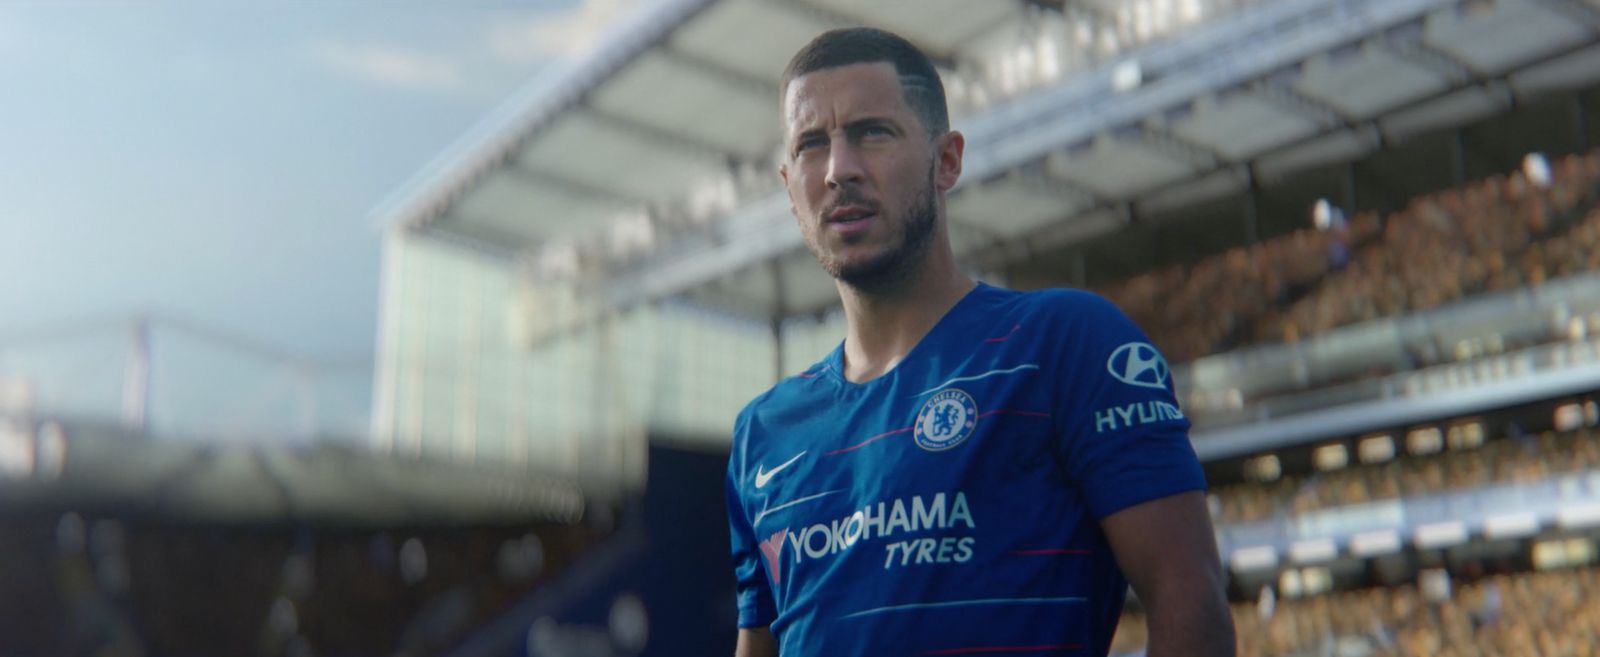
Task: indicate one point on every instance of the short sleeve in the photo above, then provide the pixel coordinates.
(754, 596)
(1124, 438)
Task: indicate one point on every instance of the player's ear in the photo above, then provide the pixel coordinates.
(948, 150)
(783, 174)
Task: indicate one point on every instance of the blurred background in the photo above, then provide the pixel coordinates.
(419, 328)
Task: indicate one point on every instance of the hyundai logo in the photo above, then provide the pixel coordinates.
(1138, 364)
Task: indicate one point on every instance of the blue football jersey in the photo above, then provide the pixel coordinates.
(952, 505)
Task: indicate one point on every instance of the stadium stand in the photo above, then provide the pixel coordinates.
(1511, 615)
(1491, 235)
(1490, 592)
(1526, 592)
(129, 586)
(1499, 460)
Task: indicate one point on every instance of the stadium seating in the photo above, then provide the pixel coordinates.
(1512, 612)
(1490, 235)
(1497, 460)
(1509, 615)
(157, 588)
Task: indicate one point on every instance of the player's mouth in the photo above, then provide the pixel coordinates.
(850, 219)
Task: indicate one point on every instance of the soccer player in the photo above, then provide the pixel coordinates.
(974, 470)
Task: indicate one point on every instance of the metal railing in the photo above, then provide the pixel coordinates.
(166, 376)
(1565, 501)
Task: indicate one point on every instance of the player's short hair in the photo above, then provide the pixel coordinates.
(919, 80)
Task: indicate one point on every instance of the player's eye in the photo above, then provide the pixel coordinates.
(872, 131)
(808, 143)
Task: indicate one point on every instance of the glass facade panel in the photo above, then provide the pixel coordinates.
(465, 376)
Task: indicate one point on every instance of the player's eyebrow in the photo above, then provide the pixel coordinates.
(871, 122)
(849, 128)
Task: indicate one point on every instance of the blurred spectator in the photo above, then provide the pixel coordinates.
(1326, 216)
(1266, 603)
(1537, 169)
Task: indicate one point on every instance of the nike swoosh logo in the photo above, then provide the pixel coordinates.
(763, 477)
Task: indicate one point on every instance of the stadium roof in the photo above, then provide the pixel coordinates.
(645, 170)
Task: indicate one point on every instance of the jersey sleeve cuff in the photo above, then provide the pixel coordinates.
(750, 619)
(1136, 486)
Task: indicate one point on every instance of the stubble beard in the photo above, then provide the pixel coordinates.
(892, 267)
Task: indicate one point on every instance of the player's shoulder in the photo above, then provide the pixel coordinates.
(1062, 298)
(1066, 306)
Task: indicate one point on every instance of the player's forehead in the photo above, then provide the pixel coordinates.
(836, 96)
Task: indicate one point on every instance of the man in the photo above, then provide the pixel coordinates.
(966, 473)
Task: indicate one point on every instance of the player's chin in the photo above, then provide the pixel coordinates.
(859, 265)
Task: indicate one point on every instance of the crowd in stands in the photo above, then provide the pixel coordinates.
(1527, 458)
(132, 587)
(1500, 233)
(1554, 613)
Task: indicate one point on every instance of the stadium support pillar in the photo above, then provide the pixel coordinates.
(136, 379)
(1252, 205)
(1350, 191)
(1580, 123)
(614, 421)
(1458, 158)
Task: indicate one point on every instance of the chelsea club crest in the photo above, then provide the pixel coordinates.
(946, 420)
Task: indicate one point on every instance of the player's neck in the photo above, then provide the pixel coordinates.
(885, 325)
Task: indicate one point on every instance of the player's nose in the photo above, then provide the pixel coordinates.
(844, 165)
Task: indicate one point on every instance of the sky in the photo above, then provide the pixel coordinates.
(220, 160)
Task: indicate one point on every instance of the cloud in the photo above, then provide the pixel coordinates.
(390, 66)
(559, 33)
